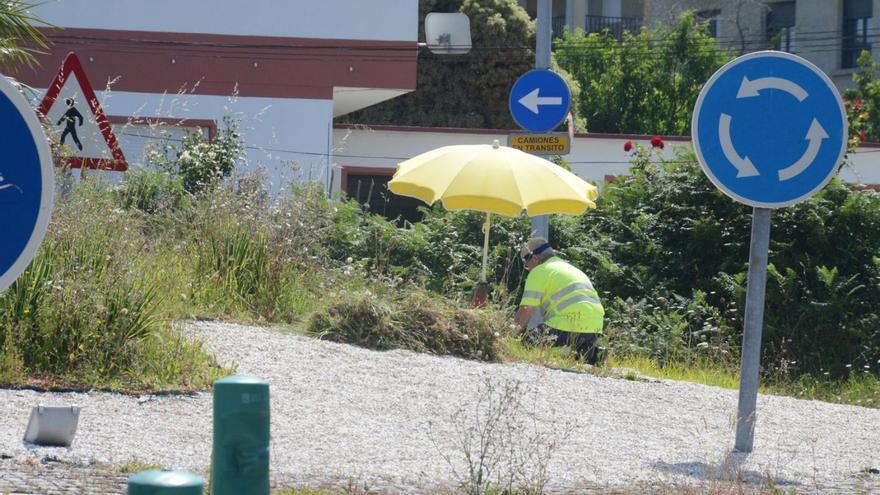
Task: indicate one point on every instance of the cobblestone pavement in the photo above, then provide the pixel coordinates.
(32, 477)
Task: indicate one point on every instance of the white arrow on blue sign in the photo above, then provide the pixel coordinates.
(769, 129)
(539, 100)
(26, 183)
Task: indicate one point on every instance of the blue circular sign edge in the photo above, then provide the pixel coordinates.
(699, 104)
(47, 171)
(510, 100)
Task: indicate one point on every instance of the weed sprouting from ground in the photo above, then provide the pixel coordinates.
(498, 445)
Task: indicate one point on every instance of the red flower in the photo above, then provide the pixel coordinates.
(627, 146)
(862, 136)
(657, 142)
(857, 103)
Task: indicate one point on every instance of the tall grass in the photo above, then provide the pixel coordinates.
(120, 264)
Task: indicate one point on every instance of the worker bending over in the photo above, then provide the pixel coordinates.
(569, 304)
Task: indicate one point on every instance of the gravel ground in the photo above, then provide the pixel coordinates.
(389, 420)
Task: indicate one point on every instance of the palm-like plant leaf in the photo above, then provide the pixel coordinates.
(19, 38)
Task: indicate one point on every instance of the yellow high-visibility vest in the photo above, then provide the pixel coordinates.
(566, 297)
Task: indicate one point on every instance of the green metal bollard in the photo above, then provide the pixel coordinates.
(165, 483)
(240, 457)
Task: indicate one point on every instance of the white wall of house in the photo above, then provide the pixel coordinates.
(593, 157)
(287, 138)
(282, 68)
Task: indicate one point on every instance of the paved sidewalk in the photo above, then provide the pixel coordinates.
(32, 477)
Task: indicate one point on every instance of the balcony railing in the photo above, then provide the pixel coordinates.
(558, 26)
(615, 25)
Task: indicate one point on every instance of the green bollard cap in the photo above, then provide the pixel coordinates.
(240, 380)
(165, 483)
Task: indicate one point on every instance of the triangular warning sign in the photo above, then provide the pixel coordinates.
(78, 121)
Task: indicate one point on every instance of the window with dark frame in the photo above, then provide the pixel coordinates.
(371, 190)
(711, 18)
(857, 16)
(781, 26)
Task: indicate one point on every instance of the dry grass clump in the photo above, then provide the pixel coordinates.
(410, 320)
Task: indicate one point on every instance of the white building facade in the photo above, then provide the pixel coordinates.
(283, 69)
(365, 158)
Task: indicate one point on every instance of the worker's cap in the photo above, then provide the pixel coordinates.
(536, 246)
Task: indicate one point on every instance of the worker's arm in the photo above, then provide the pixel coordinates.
(523, 315)
(531, 299)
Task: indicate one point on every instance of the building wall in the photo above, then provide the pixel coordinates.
(594, 156)
(632, 8)
(287, 138)
(283, 69)
(743, 27)
(741, 23)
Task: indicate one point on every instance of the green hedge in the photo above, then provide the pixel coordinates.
(669, 254)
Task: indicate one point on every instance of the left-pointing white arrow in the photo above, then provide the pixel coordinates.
(748, 89)
(815, 136)
(533, 99)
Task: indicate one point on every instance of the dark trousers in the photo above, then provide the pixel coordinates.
(585, 345)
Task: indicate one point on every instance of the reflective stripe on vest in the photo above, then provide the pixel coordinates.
(571, 288)
(564, 292)
(569, 302)
(533, 294)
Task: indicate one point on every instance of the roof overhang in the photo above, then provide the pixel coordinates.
(347, 100)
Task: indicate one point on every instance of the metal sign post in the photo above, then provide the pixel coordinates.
(754, 321)
(769, 130)
(543, 44)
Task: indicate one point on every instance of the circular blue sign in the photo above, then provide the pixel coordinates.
(26, 183)
(769, 129)
(539, 100)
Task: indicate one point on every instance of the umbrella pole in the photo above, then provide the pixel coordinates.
(486, 227)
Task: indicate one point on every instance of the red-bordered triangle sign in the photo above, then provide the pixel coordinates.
(116, 159)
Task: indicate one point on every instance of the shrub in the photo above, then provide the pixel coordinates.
(442, 253)
(666, 232)
(201, 163)
(84, 310)
(669, 253)
(151, 191)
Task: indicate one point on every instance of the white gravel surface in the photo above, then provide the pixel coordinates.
(387, 419)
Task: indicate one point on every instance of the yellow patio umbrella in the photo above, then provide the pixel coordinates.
(492, 179)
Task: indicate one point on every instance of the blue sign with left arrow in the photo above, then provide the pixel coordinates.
(769, 129)
(539, 100)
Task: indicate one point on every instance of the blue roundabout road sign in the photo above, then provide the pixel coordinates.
(26, 183)
(769, 129)
(539, 100)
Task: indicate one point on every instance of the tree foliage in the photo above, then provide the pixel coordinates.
(672, 253)
(466, 90)
(18, 36)
(863, 102)
(646, 83)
